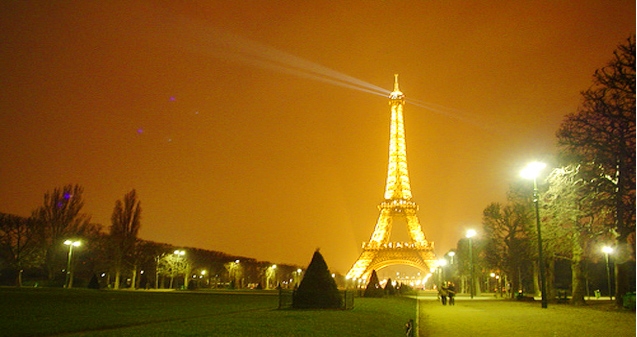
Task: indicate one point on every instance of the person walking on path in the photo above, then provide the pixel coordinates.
(409, 328)
(442, 292)
(451, 292)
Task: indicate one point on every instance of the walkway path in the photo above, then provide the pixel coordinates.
(486, 316)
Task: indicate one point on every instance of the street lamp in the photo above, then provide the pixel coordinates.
(470, 234)
(531, 171)
(441, 274)
(451, 255)
(69, 275)
(608, 250)
(271, 279)
(178, 254)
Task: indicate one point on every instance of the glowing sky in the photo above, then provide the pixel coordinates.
(260, 128)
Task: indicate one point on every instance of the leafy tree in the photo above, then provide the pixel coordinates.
(318, 288)
(374, 288)
(19, 244)
(123, 232)
(601, 133)
(59, 219)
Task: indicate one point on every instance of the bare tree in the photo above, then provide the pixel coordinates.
(602, 133)
(507, 240)
(575, 220)
(173, 265)
(19, 243)
(123, 231)
(60, 218)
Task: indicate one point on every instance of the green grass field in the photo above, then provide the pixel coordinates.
(82, 312)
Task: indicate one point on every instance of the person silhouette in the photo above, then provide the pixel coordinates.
(443, 292)
(451, 292)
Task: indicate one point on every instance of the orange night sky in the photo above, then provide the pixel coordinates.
(260, 128)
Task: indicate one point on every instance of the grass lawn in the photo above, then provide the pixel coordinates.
(83, 312)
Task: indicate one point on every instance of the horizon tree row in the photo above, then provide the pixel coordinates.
(32, 249)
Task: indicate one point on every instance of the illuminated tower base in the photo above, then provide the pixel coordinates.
(379, 252)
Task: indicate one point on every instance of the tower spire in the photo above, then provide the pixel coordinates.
(396, 94)
(396, 82)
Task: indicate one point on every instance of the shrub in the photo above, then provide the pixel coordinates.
(373, 287)
(318, 288)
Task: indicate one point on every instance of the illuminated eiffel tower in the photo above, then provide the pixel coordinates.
(379, 252)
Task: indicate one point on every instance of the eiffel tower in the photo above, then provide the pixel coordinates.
(379, 252)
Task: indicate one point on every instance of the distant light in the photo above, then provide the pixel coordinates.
(452, 253)
(607, 250)
(471, 233)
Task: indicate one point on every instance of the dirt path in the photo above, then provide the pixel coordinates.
(488, 317)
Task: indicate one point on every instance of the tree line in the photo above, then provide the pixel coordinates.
(33, 252)
(587, 200)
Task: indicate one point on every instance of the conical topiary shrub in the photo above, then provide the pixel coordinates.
(373, 287)
(317, 289)
(389, 288)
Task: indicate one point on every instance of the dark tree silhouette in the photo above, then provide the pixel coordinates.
(389, 288)
(125, 226)
(60, 218)
(373, 287)
(602, 134)
(318, 288)
(19, 244)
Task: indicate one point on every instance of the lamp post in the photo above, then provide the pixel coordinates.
(271, 277)
(441, 274)
(470, 234)
(178, 255)
(531, 171)
(451, 255)
(233, 273)
(608, 250)
(69, 274)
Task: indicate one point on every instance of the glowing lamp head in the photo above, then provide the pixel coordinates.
(471, 233)
(72, 243)
(607, 250)
(532, 170)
